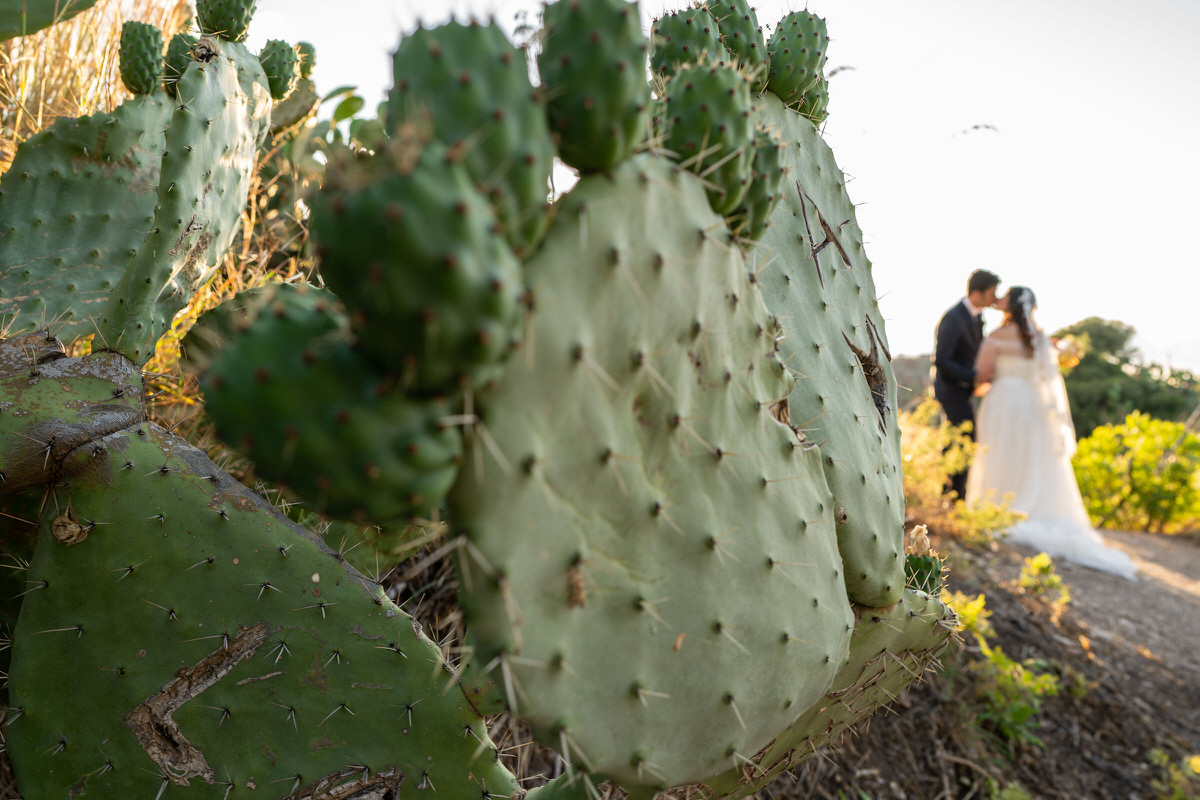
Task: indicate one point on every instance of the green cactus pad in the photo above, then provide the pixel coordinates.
(891, 647)
(797, 49)
(23, 17)
(206, 172)
(472, 85)
(743, 38)
(593, 70)
(817, 280)
(227, 19)
(74, 207)
(710, 131)
(312, 413)
(179, 57)
(308, 58)
(141, 57)
(281, 64)
(753, 215)
(245, 655)
(684, 38)
(412, 249)
(652, 571)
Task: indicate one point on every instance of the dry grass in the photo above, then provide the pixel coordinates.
(70, 69)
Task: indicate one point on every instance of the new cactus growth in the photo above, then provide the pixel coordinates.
(281, 64)
(743, 38)
(686, 37)
(597, 98)
(797, 49)
(179, 56)
(226, 19)
(141, 57)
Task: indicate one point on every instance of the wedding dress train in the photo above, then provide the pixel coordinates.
(1026, 439)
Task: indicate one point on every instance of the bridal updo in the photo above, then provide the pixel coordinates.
(1021, 303)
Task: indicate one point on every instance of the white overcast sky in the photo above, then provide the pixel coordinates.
(1085, 186)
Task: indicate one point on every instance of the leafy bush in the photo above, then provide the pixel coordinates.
(1039, 578)
(1179, 781)
(1141, 475)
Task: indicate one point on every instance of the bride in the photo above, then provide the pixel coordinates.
(1026, 439)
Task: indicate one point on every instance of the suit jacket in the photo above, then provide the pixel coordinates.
(958, 337)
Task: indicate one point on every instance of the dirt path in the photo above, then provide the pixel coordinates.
(1159, 614)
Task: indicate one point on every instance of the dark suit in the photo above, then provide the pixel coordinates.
(958, 337)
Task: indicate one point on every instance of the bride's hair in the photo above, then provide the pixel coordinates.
(1021, 303)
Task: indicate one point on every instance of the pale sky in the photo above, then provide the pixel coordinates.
(1084, 187)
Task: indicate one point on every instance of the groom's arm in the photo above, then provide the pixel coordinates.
(950, 365)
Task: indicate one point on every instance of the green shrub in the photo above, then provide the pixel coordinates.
(1039, 578)
(1178, 781)
(1141, 475)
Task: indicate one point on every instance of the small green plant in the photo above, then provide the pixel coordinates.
(1012, 791)
(1038, 577)
(1179, 780)
(1141, 475)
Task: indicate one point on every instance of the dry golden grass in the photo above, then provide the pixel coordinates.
(70, 69)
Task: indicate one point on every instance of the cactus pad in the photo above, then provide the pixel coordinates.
(797, 49)
(687, 37)
(281, 64)
(593, 69)
(412, 248)
(227, 19)
(652, 569)
(473, 85)
(245, 654)
(23, 17)
(751, 218)
(309, 409)
(740, 33)
(141, 57)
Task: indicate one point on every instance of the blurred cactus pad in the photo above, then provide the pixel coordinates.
(649, 418)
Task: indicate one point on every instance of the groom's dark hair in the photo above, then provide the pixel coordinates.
(981, 280)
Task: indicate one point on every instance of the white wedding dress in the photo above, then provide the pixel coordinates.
(1026, 439)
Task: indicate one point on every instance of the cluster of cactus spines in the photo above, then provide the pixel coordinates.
(472, 85)
(743, 38)
(62, 251)
(225, 19)
(23, 17)
(314, 411)
(205, 172)
(141, 57)
(281, 63)
(597, 97)
(416, 254)
(684, 37)
(798, 54)
(817, 280)
(175, 63)
(308, 59)
(710, 131)
(244, 655)
(646, 618)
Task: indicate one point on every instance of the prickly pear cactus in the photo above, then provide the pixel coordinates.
(597, 98)
(751, 218)
(737, 24)
(683, 38)
(816, 279)
(652, 568)
(175, 64)
(797, 49)
(141, 57)
(226, 19)
(180, 637)
(281, 63)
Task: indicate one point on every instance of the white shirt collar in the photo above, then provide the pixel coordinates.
(975, 312)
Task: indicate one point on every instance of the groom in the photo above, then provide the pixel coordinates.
(959, 333)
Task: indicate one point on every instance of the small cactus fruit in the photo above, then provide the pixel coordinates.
(710, 131)
(311, 412)
(797, 49)
(281, 64)
(472, 85)
(751, 218)
(818, 281)
(413, 250)
(180, 638)
(682, 38)
(178, 58)
(652, 563)
(308, 59)
(593, 69)
(743, 38)
(141, 57)
(227, 19)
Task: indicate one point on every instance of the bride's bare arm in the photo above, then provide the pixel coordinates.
(985, 362)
